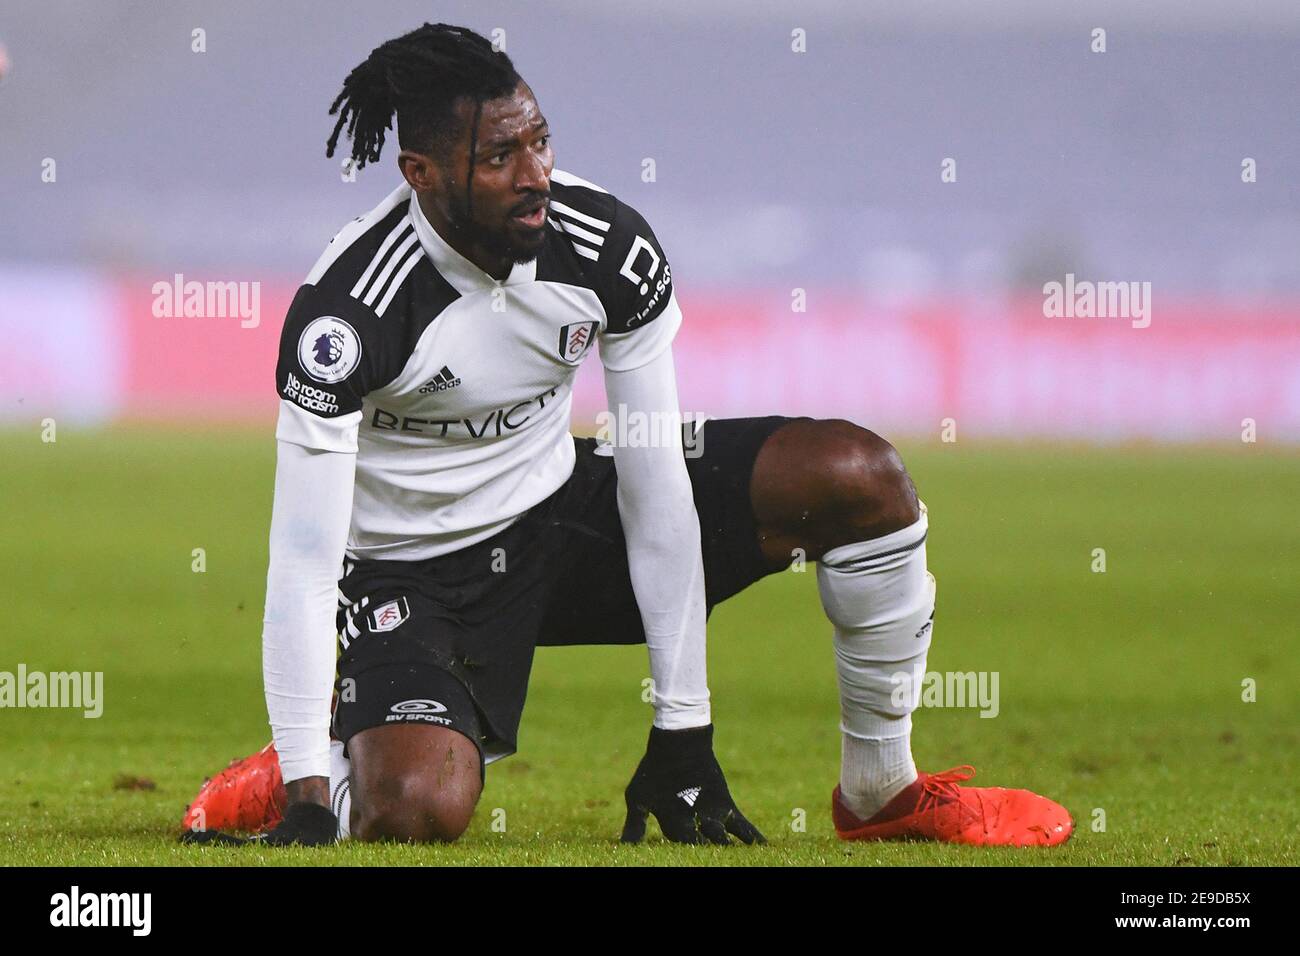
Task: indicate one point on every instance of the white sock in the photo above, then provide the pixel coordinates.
(341, 788)
(880, 599)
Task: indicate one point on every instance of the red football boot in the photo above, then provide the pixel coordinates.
(247, 795)
(934, 807)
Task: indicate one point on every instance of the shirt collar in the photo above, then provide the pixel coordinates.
(465, 277)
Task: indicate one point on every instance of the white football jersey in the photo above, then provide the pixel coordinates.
(453, 388)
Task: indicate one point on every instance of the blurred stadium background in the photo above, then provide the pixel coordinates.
(775, 171)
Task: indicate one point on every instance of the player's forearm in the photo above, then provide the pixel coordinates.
(298, 665)
(309, 524)
(667, 571)
(662, 529)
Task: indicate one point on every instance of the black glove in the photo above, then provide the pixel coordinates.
(304, 824)
(680, 782)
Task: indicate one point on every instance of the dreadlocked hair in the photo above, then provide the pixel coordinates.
(418, 77)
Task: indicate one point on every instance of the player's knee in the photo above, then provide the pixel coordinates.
(868, 486)
(410, 810)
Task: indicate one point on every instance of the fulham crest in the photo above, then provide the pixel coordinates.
(575, 339)
(390, 616)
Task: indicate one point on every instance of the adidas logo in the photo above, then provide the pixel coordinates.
(440, 382)
(690, 795)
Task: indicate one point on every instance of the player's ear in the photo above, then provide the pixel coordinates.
(418, 169)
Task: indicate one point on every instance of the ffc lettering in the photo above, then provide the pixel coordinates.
(575, 339)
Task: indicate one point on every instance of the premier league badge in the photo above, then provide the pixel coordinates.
(329, 349)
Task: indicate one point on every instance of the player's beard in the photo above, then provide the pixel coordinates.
(499, 242)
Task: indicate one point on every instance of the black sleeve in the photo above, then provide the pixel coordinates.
(637, 282)
(331, 353)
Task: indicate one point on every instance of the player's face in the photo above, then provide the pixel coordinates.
(512, 177)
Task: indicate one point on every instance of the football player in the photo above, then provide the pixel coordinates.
(425, 378)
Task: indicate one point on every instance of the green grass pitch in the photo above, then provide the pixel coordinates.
(1120, 692)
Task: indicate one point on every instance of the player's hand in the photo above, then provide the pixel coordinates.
(304, 824)
(680, 782)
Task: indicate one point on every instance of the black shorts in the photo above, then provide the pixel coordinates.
(449, 641)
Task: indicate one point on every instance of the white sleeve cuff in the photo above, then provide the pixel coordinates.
(300, 427)
(624, 351)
